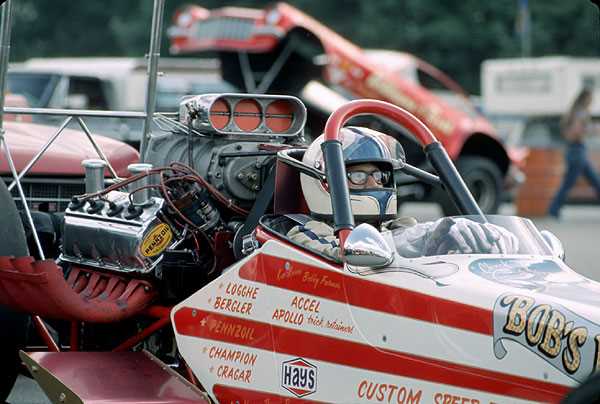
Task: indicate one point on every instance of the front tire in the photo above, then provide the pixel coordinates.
(483, 178)
(13, 334)
(587, 392)
(13, 325)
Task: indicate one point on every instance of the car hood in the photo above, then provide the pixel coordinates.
(523, 303)
(547, 308)
(546, 278)
(64, 156)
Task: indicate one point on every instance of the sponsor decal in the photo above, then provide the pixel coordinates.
(233, 301)
(231, 355)
(387, 393)
(156, 240)
(229, 329)
(233, 373)
(299, 377)
(564, 339)
(231, 305)
(449, 398)
(306, 310)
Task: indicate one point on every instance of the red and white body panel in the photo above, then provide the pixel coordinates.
(285, 325)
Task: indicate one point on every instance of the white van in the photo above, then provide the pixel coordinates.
(525, 97)
(537, 86)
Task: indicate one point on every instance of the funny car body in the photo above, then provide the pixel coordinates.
(280, 49)
(180, 284)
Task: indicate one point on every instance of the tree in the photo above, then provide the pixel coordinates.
(455, 36)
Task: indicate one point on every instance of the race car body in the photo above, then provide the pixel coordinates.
(258, 317)
(284, 325)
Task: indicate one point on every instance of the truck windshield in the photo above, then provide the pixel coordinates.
(36, 87)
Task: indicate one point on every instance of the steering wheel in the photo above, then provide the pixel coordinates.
(335, 169)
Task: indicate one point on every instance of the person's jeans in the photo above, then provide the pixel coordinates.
(577, 164)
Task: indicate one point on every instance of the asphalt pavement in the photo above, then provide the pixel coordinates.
(579, 231)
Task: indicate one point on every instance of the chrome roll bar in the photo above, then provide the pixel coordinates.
(148, 115)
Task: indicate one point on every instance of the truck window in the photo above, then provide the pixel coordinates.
(37, 88)
(446, 93)
(92, 88)
(430, 82)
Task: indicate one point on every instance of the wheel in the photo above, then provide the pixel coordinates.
(13, 326)
(13, 334)
(587, 392)
(483, 178)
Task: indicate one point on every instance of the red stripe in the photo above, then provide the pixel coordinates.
(209, 325)
(338, 286)
(228, 394)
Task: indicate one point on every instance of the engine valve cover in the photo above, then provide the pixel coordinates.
(121, 239)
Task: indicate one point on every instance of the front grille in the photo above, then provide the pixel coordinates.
(224, 28)
(47, 194)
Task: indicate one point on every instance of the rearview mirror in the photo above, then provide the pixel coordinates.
(555, 244)
(365, 247)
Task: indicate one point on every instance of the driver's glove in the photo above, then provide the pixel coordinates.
(464, 236)
(316, 236)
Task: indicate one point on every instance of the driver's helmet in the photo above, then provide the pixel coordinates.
(359, 145)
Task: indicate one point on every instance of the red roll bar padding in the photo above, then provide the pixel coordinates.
(391, 111)
(40, 288)
(358, 107)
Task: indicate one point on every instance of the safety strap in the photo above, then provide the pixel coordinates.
(259, 208)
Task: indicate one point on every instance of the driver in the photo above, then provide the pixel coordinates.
(371, 158)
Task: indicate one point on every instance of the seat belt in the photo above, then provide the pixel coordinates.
(258, 210)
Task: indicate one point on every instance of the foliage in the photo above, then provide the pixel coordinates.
(453, 35)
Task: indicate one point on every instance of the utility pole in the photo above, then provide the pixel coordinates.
(523, 27)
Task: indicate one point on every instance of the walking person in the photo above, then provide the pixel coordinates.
(575, 126)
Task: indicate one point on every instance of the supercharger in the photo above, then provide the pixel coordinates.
(201, 178)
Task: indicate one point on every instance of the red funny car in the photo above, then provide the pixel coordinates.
(282, 50)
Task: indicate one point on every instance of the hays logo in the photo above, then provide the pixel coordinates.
(299, 377)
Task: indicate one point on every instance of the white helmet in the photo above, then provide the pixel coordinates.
(359, 145)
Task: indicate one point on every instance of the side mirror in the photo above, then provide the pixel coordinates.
(365, 247)
(554, 243)
(77, 101)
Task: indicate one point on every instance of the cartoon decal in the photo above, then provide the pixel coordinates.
(299, 377)
(566, 340)
(542, 276)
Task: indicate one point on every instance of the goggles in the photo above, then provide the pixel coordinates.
(360, 177)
